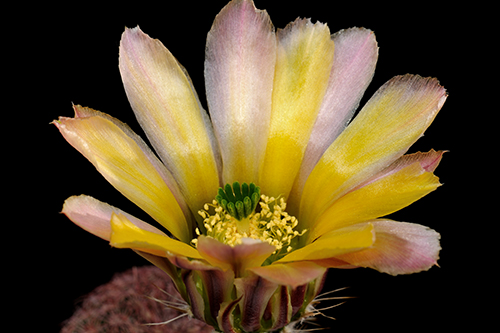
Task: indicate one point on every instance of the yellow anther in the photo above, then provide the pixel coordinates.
(272, 225)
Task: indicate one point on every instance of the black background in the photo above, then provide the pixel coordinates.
(70, 54)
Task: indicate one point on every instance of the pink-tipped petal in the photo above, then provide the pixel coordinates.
(94, 216)
(390, 122)
(354, 60)
(303, 64)
(85, 112)
(239, 72)
(126, 163)
(391, 191)
(400, 248)
(167, 108)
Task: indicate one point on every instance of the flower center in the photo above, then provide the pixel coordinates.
(242, 212)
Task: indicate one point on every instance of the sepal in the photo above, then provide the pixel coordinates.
(194, 296)
(280, 307)
(226, 318)
(255, 292)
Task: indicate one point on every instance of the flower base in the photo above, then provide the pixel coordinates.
(142, 300)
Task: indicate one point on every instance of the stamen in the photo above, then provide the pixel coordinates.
(232, 217)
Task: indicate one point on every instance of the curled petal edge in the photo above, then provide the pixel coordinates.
(400, 248)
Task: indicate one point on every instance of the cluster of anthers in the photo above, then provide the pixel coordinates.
(241, 212)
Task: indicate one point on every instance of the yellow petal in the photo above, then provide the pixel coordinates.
(334, 243)
(391, 121)
(382, 197)
(85, 112)
(168, 109)
(127, 235)
(124, 163)
(304, 61)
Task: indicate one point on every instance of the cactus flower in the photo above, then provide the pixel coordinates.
(276, 184)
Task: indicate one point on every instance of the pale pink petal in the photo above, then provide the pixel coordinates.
(238, 258)
(355, 56)
(400, 248)
(94, 216)
(167, 108)
(239, 72)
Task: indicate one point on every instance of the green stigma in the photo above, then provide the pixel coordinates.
(239, 201)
